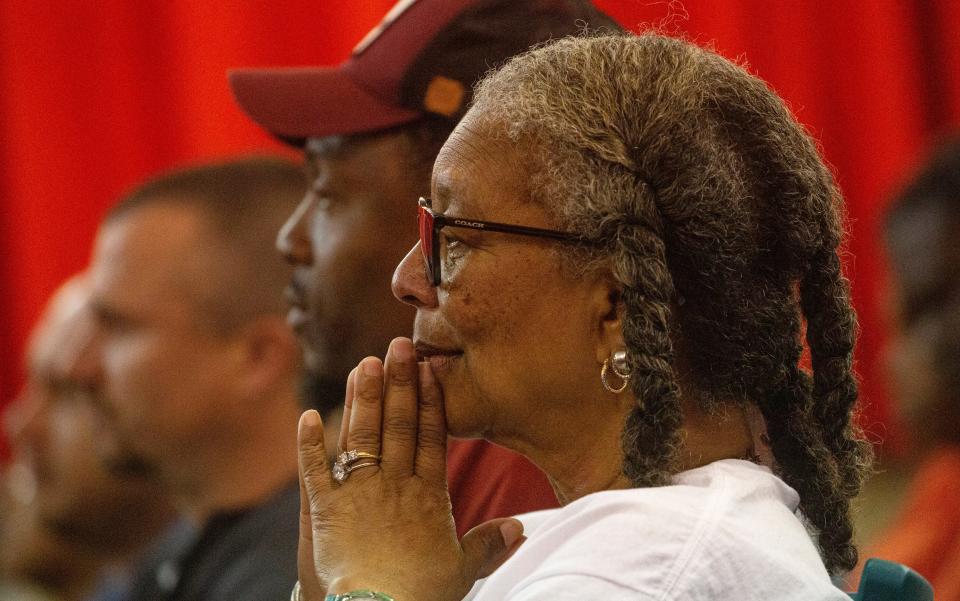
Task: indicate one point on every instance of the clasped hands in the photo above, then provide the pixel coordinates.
(389, 527)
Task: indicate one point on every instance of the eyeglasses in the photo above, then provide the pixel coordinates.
(431, 223)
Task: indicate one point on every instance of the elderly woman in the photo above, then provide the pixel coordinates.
(625, 239)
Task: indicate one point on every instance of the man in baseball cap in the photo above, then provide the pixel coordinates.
(370, 129)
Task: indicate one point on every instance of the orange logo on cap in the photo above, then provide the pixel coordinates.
(444, 96)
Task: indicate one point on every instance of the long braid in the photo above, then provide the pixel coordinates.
(807, 465)
(831, 330)
(651, 435)
(808, 419)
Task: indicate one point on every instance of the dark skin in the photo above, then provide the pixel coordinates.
(476, 334)
(396, 411)
(344, 240)
(346, 236)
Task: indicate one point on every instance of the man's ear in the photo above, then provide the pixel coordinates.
(269, 354)
(608, 314)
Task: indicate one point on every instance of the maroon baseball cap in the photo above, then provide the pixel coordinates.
(423, 58)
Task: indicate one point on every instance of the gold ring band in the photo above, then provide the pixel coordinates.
(348, 457)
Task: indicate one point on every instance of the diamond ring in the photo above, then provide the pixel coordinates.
(341, 471)
(348, 457)
(347, 462)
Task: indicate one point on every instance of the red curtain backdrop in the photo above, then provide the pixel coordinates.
(98, 95)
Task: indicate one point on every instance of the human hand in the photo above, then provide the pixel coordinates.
(388, 527)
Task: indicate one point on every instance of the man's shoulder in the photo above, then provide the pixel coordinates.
(250, 555)
(259, 553)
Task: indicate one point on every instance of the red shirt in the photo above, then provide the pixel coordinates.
(487, 481)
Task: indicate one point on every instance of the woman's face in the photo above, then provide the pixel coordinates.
(511, 336)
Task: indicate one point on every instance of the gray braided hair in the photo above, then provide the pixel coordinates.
(722, 225)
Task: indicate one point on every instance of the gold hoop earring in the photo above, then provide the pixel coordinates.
(618, 364)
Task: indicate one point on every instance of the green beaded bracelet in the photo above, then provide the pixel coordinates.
(364, 594)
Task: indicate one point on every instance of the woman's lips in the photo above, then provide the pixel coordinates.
(441, 363)
(440, 358)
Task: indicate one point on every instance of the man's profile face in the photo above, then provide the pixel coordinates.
(163, 370)
(51, 424)
(53, 428)
(56, 443)
(75, 495)
(355, 223)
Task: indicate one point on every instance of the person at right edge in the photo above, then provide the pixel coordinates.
(922, 228)
(370, 129)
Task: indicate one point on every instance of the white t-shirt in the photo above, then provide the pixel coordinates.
(724, 531)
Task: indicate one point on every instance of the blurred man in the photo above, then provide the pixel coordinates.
(923, 240)
(198, 370)
(370, 129)
(66, 523)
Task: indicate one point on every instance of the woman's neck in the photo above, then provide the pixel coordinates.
(578, 461)
(709, 437)
(590, 459)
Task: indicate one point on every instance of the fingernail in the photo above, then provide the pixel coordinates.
(309, 427)
(511, 531)
(310, 418)
(371, 366)
(402, 349)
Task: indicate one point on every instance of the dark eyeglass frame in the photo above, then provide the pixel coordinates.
(431, 223)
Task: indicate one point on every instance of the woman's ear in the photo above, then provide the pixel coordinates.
(608, 304)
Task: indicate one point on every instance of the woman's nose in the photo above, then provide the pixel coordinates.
(410, 284)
